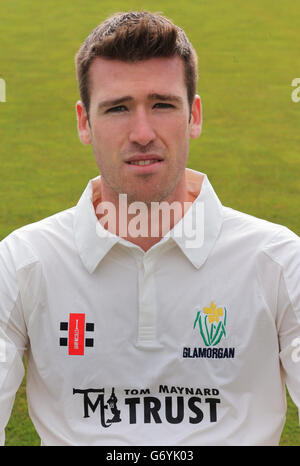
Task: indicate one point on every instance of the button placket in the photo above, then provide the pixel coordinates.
(147, 304)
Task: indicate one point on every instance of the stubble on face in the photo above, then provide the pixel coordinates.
(145, 189)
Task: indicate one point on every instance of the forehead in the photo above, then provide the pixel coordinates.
(155, 75)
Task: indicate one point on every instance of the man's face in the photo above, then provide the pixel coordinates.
(140, 125)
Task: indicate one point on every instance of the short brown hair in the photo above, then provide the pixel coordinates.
(132, 37)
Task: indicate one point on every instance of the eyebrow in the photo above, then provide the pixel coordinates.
(165, 97)
(114, 102)
(128, 98)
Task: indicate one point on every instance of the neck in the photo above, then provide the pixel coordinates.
(143, 224)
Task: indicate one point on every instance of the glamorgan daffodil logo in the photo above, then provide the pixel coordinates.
(212, 324)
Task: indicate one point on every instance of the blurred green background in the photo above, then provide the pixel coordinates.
(248, 57)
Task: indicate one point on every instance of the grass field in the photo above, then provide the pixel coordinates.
(248, 56)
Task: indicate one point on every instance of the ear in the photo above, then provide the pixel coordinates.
(83, 125)
(196, 118)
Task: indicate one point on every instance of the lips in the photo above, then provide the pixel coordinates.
(142, 160)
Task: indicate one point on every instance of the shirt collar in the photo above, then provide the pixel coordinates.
(199, 229)
(91, 246)
(195, 234)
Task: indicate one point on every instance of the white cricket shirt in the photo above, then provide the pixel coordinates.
(176, 346)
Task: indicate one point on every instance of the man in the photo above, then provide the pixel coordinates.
(137, 329)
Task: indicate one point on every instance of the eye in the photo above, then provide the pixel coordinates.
(163, 105)
(117, 109)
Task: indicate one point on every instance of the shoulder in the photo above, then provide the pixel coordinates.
(272, 247)
(24, 245)
(260, 233)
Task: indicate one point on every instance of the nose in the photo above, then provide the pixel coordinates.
(141, 131)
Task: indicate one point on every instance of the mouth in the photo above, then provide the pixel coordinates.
(143, 162)
(144, 159)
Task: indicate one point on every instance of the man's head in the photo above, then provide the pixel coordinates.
(133, 37)
(137, 78)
